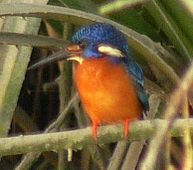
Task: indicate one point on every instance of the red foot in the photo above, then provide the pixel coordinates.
(126, 128)
(95, 125)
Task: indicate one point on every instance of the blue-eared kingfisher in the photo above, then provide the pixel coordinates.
(109, 81)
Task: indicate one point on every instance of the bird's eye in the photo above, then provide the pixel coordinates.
(77, 47)
(73, 48)
(109, 50)
(83, 44)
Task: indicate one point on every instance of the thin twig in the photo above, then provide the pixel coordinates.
(85, 159)
(187, 142)
(24, 121)
(57, 123)
(30, 158)
(118, 155)
(136, 147)
(64, 86)
(93, 151)
(133, 155)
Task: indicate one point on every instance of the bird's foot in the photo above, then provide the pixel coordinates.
(126, 127)
(95, 125)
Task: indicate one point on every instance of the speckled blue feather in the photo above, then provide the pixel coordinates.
(101, 33)
(98, 33)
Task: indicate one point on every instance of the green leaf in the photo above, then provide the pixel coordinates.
(170, 28)
(14, 61)
(119, 5)
(181, 17)
(133, 19)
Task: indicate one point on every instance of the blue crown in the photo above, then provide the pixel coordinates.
(101, 33)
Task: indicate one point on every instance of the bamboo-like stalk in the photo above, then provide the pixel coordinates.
(7, 38)
(136, 147)
(170, 112)
(118, 155)
(14, 61)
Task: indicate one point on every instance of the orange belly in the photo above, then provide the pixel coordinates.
(107, 91)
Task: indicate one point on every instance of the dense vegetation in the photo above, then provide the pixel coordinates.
(160, 34)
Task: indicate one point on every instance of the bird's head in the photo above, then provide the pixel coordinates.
(92, 41)
(98, 40)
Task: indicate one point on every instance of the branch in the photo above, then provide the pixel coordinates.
(77, 139)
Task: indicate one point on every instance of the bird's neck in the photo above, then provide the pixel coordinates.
(93, 64)
(95, 69)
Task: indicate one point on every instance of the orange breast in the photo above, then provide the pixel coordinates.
(107, 91)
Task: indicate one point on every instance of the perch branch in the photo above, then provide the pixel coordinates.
(77, 139)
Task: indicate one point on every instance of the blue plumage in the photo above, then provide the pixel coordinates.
(98, 33)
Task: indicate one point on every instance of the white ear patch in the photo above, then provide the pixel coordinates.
(104, 48)
(79, 59)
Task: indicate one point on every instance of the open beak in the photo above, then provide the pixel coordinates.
(69, 52)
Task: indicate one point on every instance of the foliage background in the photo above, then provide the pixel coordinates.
(30, 101)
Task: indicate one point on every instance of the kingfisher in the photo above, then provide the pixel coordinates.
(108, 79)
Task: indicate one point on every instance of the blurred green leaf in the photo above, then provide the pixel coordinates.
(133, 19)
(182, 17)
(86, 5)
(119, 5)
(170, 28)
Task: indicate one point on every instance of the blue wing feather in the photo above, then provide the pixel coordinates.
(135, 70)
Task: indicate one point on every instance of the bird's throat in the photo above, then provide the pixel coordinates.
(79, 59)
(103, 86)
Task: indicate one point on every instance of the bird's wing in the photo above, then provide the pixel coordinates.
(135, 70)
